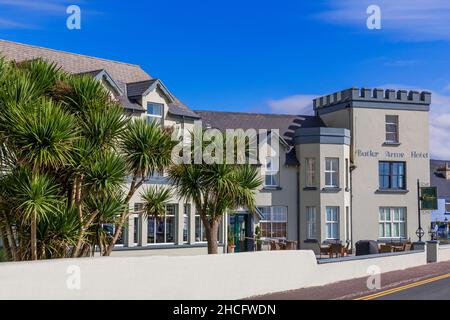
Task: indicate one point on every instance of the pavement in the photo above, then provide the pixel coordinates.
(431, 281)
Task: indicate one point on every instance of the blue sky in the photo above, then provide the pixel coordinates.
(259, 56)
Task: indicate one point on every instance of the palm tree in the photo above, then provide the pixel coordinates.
(146, 149)
(216, 189)
(66, 150)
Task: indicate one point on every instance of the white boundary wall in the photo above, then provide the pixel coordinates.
(230, 276)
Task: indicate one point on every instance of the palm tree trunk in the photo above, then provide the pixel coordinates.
(11, 239)
(6, 247)
(33, 240)
(134, 186)
(211, 237)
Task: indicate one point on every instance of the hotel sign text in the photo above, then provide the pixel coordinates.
(393, 155)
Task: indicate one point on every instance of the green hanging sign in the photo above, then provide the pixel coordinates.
(428, 198)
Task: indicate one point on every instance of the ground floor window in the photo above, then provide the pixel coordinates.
(311, 222)
(332, 223)
(200, 231)
(274, 222)
(162, 229)
(186, 215)
(392, 222)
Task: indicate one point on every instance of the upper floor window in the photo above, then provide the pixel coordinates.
(310, 164)
(331, 172)
(392, 175)
(154, 112)
(271, 172)
(391, 129)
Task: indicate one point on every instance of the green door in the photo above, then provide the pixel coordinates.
(238, 229)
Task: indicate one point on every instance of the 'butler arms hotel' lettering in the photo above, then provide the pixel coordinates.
(388, 154)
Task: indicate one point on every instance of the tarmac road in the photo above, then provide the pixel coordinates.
(436, 288)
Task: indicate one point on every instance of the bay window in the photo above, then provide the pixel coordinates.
(331, 172)
(332, 223)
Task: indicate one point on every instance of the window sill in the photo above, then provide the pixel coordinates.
(309, 188)
(311, 241)
(391, 191)
(391, 144)
(271, 188)
(331, 190)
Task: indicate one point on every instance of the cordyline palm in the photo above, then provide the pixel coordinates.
(216, 189)
(146, 149)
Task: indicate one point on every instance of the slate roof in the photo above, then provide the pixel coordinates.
(438, 180)
(72, 62)
(129, 77)
(136, 89)
(286, 124)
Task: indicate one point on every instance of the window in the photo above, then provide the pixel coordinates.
(332, 223)
(200, 233)
(392, 222)
(347, 223)
(347, 174)
(311, 222)
(138, 207)
(391, 129)
(447, 206)
(310, 164)
(186, 215)
(271, 173)
(392, 175)
(331, 172)
(274, 222)
(162, 229)
(154, 112)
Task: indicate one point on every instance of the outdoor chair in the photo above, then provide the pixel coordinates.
(323, 250)
(274, 245)
(291, 245)
(385, 248)
(408, 246)
(347, 249)
(336, 249)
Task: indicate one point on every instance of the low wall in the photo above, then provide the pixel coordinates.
(444, 253)
(230, 276)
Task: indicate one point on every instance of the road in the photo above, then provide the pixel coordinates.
(436, 288)
(431, 281)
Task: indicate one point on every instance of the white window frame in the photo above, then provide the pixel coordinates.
(331, 223)
(310, 174)
(332, 172)
(392, 221)
(273, 173)
(392, 123)
(186, 220)
(271, 221)
(152, 116)
(174, 216)
(311, 222)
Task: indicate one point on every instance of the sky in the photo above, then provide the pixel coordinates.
(257, 56)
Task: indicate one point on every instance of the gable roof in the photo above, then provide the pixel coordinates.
(120, 73)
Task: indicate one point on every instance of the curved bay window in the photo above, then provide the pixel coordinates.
(162, 229)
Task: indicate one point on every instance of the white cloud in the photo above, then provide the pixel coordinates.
(408, 20)
(297, 104)
(439, 116)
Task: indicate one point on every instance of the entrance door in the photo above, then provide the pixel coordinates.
(239, 226)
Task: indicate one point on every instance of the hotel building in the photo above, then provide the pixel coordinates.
(349, 172)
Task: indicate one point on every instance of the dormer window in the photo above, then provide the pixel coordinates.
(154, 112)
